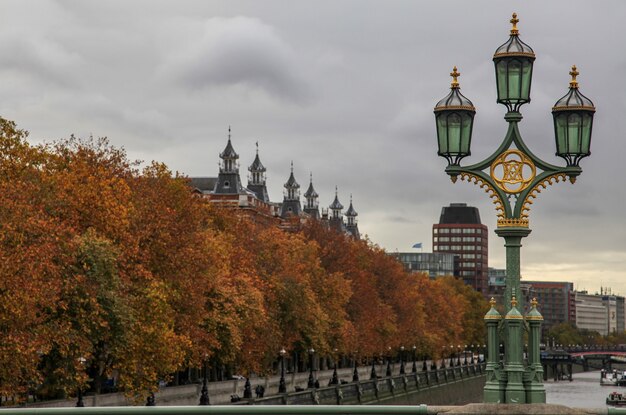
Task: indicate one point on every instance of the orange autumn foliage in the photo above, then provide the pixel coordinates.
(107, 269)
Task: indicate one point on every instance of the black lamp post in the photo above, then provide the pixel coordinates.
(334, 380)
(402, 360)
(204, 393)
(443, 358)
(79, 402)
(465, 355)
(355, 374)
(373, 374)
(282, 387)
(388, 372)
(414, 368)
(311, 383)
(458, 355)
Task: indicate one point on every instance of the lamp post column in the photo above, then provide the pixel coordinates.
(282, 386)
(311, 383)
(514, 366)
(535, 391)
(494, 385)
(513, 244)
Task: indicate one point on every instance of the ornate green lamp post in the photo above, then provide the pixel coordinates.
(513, 176)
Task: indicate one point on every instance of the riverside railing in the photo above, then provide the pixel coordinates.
(228, 410)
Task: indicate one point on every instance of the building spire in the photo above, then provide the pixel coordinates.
(311, 205)
(256, 177)
(228, 181)
(291, 200)
(351, 225)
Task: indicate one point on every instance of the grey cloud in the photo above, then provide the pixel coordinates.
(239, 51)
(346, 90)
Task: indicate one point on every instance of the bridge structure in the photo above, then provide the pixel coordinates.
(559, 363)
(447, 381)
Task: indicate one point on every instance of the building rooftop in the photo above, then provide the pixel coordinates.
(459, 213)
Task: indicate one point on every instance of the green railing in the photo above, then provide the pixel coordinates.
(226, 410)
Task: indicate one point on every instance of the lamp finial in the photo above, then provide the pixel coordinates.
(574, 73)
(514, 21)
(513, 302)
(454, 74)
(492, 302)
(534, 302)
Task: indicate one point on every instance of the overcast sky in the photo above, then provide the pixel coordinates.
(345, 89)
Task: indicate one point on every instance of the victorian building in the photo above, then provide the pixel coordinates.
(227, 190)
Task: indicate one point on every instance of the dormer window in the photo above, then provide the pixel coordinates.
(226, 184)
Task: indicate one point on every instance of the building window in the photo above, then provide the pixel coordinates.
(226, 184)
(455, 230)
(435, 231)
(455, 239)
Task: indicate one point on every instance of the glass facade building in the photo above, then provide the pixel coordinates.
(435, 264)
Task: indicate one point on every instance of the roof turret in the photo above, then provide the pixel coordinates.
(229, 152)
(291, 182)
(336, 205)
(351, 211)
(256, 165)
(310, 192)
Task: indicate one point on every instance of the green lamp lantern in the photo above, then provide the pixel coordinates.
(573, 119)
(514, 70)
(454, 116)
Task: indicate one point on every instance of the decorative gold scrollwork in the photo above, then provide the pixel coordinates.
(513, 171)
(548, 181)
(470, 178)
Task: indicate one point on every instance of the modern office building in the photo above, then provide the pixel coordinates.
(461, 233)
(435, 264)
(496, 276)
(621, 311)
(591, 313)
(557, 301)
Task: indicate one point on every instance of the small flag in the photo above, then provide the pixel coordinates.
(418, 245)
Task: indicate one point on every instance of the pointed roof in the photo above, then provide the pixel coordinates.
(256, 164)
(336, 205)
(291, 182)
(229, 152)
(351, 211)
(311, 191)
